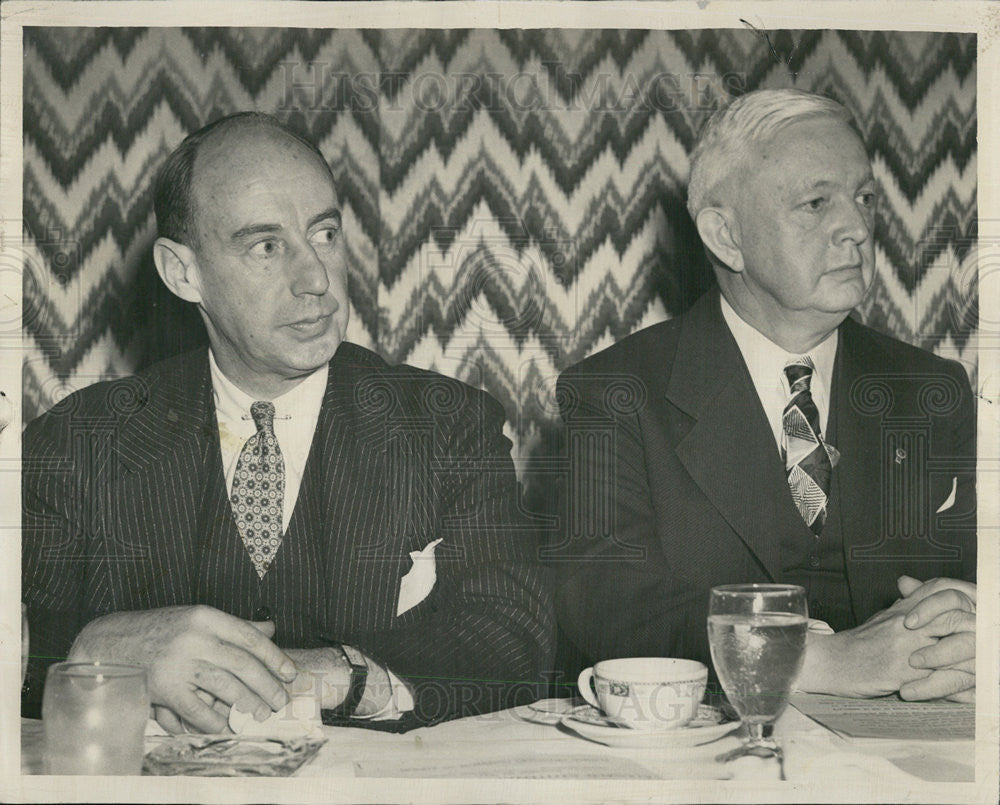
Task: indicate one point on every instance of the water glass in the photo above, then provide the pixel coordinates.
(94, 718)
(757, 636)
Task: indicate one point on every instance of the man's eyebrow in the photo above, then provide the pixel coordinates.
(823, 184)
(331, 214)
(254, 229)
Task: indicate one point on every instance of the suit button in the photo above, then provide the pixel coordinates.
(814, 561)
(262, 614)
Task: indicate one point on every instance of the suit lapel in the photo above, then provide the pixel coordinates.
(163, 451)
(350, 494)
(858, 439)
(729, 450)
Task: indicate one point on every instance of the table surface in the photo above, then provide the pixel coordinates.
(509, 745)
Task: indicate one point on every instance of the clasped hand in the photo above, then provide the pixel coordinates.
(944, 609)
(923, 647)
(200, 661)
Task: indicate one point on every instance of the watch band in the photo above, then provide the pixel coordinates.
(359, 678)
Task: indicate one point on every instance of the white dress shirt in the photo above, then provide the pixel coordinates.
(296, 413)
(766, 362)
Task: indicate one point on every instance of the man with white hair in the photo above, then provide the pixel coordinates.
(766, 436)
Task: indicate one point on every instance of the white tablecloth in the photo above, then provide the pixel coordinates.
(507, 745)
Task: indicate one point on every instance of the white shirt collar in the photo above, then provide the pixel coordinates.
(233, 404)
(766, 361)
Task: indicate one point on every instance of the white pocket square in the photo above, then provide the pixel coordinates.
(416, 585)
(950, 501)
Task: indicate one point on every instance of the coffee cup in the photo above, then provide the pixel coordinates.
(645, 693)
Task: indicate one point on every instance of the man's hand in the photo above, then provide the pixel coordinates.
(171, 723)
(333, 674)
(199, 662)
(945, 608)
(872, 659)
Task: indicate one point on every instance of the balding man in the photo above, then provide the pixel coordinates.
(283, 501)
(765, 436)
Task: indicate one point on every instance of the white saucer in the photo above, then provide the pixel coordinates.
(593, 725)
(546, 711)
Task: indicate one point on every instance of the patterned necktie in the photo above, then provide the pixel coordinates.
(259, 490)
(809, 461)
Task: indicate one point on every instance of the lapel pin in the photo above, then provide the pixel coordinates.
(900, 455)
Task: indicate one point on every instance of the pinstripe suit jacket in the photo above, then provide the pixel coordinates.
(125, 508)
(676, 485)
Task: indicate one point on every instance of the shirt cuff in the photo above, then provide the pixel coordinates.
(401, 701)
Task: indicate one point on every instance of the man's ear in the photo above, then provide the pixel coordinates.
(177, 267)
(718, 231)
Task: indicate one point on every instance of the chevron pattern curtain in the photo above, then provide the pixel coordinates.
(513, 200)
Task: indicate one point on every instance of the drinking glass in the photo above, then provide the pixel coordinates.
(757, 635)
(94, 718)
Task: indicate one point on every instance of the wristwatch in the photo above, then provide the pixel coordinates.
(359, 678)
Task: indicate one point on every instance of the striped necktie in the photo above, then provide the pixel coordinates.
(809, 461)
(259, 490)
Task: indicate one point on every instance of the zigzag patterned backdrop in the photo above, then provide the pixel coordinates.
(513, 200)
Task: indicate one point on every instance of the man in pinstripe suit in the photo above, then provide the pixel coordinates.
(403, 573)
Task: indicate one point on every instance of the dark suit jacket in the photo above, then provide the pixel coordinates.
(676, 484)
(125, 508)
